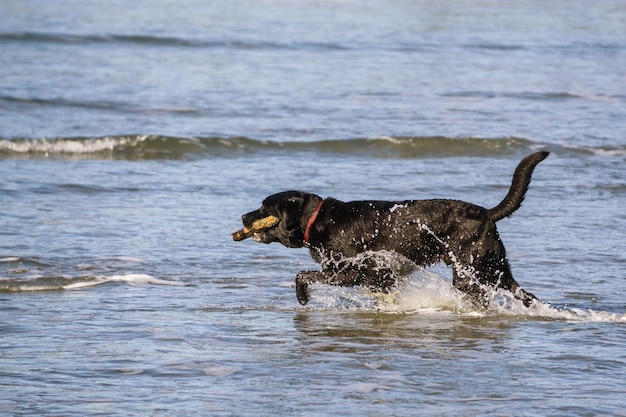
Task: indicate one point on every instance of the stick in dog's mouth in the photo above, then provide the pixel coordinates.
(258, 225)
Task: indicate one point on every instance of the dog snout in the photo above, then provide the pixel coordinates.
(249, 218)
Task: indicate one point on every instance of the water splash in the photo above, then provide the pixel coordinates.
(421, 291)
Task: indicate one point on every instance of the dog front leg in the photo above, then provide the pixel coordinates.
(303, 280)
(346, 278)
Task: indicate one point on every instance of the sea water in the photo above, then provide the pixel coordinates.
(133, 136)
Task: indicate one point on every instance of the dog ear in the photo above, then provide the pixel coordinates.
(291, 211)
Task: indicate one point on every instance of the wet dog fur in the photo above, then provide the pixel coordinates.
(460, 234)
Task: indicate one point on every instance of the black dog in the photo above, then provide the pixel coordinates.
(462, 235)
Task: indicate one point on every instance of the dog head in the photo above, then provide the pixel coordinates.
(293, 210)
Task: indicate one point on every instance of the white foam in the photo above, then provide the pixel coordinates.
(364, 387)
(69, 146)
(546, 311)
(618, 150)
(129, 259)
(609, 152)
(79, 285)
(10, 259)
(218, 370)
(143, 279)
(208, 368)
(133, 279)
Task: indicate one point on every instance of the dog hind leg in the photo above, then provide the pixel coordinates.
(466, 282)
(495, 271)
(488, 270)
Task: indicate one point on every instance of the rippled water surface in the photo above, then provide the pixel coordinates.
(134, 135)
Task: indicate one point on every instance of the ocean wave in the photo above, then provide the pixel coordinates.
(23, 260)
(139, 147)
(525, 95)
(57, 283)
(155, 146)
(252, 44)
(25, 102)
(165, 41)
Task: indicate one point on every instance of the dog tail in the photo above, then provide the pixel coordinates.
(519, 186)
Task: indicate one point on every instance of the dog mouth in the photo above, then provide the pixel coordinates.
(256, 230)
(259, 237)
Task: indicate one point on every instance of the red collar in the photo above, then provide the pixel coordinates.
(311, 221)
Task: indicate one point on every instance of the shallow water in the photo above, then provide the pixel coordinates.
(133, 137)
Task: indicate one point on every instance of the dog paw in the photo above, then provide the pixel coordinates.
(302, 294)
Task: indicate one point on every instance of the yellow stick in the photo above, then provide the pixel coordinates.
(260, 224)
